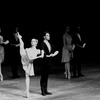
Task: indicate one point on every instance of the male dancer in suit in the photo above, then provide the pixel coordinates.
(49, 52)
(79, 44)
(15, 51)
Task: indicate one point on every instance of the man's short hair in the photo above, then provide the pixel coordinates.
(45, 33)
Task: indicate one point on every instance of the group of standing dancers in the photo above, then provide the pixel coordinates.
(71, 53)
(46, 52)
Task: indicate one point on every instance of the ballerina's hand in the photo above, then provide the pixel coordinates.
(6, 42)
(41, 56)
(48, 55)
(51, 55)
(73, 46)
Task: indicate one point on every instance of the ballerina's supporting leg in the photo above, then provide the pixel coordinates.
(1, 76)
(27, 84)
(67, 68)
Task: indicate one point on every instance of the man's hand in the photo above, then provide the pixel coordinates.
(53, 54)
(73, 46)
(84, 45)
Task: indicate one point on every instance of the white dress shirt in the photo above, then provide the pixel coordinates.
(48, 45)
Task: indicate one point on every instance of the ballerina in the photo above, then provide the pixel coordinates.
(27, 57)
(2, 54)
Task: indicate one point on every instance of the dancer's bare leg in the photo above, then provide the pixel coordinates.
(23, 53)
(22, 50)
(27, 84)
(67, 66)
(65, 70)
(1, 76)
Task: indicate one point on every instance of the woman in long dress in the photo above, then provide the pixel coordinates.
(2, 54)
(67, 52)
(27, 57)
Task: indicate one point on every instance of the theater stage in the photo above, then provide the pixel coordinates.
(83, 88)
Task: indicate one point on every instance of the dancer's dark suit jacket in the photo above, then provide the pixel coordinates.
(14, 54)
(45, 64)
(77, 55)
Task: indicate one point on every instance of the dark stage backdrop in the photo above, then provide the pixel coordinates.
(33, 22)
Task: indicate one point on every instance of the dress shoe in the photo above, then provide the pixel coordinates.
(43, 94)
(48, 93)
(13, 77)
(74, 76)
(80, 75)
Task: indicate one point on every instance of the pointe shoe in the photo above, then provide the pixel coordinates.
(18, 35)
(69, 76)
(27, 94)
(1, 78)
(65, 74)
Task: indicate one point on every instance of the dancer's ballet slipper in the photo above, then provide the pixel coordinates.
(1, 77)
(69, 76)
(27, 94)
(65, 74)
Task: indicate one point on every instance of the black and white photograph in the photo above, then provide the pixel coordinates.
(50, 56)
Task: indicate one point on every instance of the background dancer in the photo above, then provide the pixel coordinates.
(2, 53)
(67, 52)
(14, 44)
(79, 44)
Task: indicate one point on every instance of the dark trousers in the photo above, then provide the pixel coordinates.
(76, 63)
(15, 61)
(76, 67)
(14, 69)
(45, 69)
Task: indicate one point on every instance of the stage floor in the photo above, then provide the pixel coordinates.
(83, 88)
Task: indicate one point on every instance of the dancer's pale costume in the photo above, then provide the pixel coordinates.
(1, 53)
(27, 57)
